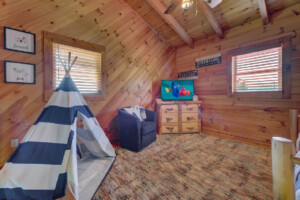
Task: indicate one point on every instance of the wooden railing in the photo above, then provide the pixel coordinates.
(283, 161)
(294, 116)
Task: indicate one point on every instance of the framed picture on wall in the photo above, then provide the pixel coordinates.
(21, 41)
(17, 72)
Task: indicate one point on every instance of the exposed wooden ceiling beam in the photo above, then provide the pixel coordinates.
(160, 9)
(263, 11)
(211, 17)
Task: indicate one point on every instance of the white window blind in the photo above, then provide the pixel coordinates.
(259, 71)
(86, 72)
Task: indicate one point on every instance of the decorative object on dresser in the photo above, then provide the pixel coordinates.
(179, 116)
(195, 98)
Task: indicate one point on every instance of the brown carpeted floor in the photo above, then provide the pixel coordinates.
(190, 166)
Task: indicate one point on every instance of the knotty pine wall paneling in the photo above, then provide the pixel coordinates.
(251, 120)
(136, 60)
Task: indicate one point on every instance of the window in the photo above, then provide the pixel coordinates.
(86, 71)
(261, 70)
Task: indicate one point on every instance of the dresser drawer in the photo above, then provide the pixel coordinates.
(189, 117)
(169, 117)
(168, 128)
(169, 108)
(190, 127)
(189, 108)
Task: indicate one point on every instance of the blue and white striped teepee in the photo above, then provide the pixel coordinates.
(45, 164)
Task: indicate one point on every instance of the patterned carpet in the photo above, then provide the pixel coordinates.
(190, 166)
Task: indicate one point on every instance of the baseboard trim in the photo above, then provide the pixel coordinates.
(238, 139)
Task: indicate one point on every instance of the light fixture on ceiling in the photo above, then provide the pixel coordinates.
(186, 4)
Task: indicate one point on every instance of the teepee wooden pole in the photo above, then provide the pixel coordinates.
(63, 63)
(69, 60)
(73, 62)
(68, 65)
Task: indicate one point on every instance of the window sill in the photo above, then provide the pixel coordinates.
(93, 97)
(259, 95)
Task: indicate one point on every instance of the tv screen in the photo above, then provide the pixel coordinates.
(177, 90)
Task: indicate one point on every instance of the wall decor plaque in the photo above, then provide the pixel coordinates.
(208, 60)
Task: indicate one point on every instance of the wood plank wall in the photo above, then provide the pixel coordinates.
(255, 121)
(136, 59)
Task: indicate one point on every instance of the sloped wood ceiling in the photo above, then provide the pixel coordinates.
(230, 13)
(193, 21)
(233, 13)
(142, 8)
(136, 59)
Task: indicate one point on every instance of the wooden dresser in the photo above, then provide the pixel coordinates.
(178, 116)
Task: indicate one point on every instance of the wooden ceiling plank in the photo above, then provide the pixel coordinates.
(160, 9)
(263, 11)
(155, 31)
(211, 17)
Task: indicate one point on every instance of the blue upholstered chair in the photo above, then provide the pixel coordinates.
(135, 134)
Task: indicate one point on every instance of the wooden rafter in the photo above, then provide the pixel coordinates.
(211, 17)
(263, 11)
(160, 9)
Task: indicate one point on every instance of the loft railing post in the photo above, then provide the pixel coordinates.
(283, 169)
(293, 124)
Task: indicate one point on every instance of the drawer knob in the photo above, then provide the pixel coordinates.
(170, 128)
(190, 128)
(190, 118)
(189, 108)
(169, 109)
(169, 119)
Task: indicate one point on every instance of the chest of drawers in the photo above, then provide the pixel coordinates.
(179, 116)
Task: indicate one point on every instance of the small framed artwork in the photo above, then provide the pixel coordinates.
(16, 72)
(21, 41)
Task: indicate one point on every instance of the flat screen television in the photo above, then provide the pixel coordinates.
(177, 90)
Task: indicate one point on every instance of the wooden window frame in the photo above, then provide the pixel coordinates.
(49, 78)
(286, 43)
